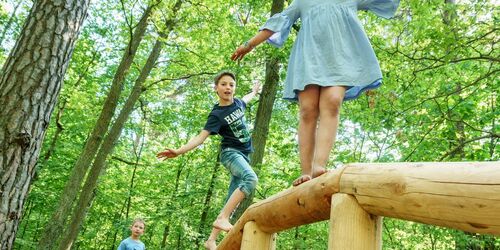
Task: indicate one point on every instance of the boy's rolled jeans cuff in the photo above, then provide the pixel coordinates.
(248, 186)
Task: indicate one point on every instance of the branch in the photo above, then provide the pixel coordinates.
(178, 78)
(453, 92)
(461, 145)
(127, 161)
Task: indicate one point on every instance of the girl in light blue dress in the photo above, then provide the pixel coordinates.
(331, 61)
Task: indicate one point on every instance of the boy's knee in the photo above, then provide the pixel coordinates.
(251, 181)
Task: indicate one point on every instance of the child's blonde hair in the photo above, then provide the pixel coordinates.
(140, 220)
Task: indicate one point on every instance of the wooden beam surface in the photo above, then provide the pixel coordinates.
(304, 204)
(460, 195)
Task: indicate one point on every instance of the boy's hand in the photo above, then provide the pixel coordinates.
(256, 87)
(168, 153)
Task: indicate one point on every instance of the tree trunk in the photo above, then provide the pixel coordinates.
(29, 86)
(55, 225)
(166, 229)
(116, 217)
(208, 198)
(109, 142)
(264, 111)
(98, 165)
(25, 218)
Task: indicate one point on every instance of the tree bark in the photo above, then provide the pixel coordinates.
(55, 225)
(30, 83)
(208, 198)
(99, 165)
(109, 141)
(263, 117)
(166, 229)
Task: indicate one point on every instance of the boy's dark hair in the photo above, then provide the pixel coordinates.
(223, 73)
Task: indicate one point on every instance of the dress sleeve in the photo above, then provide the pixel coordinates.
(382, 8)
(281, 23)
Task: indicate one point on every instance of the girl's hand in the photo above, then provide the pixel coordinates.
(241, 52)
(168, 153)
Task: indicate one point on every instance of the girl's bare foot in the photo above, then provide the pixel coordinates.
(210, 244)
(222, 224)
(317, 171)
(303, 178)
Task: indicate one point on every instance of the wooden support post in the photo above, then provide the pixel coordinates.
(254, 238)
(351, 227)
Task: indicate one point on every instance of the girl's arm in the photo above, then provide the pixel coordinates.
(193, 143)
(241, 51)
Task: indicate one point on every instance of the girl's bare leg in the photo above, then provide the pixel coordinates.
(330, 103)
(309, 111)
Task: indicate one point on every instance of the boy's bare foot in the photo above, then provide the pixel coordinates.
(210, 244)
(317, 171)
(303, 178)
(222, 224)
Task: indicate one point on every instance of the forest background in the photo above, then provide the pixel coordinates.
(440, 61)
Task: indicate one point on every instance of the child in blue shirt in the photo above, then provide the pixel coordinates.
(133, 242)
(227, 119)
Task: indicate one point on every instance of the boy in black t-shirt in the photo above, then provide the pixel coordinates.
(227, 119)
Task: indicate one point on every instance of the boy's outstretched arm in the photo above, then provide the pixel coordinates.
(255, 90)
(193, 143)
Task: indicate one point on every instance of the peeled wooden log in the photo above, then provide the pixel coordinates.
(460, 195)
(307, 203)
(254, 238)
(351, 227)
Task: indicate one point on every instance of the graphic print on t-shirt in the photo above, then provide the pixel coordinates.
(236, 121)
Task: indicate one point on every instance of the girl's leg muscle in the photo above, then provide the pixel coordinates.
(330, 103)
(309, 111)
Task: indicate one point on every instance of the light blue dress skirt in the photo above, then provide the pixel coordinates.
(331, 48)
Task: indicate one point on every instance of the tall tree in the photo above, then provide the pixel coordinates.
(109, 141)
(264, 111)
(29, 86)
(55, 226)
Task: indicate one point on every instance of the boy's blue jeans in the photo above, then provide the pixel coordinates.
(242, 174)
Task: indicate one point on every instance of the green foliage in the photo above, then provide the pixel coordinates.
(439, 102)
